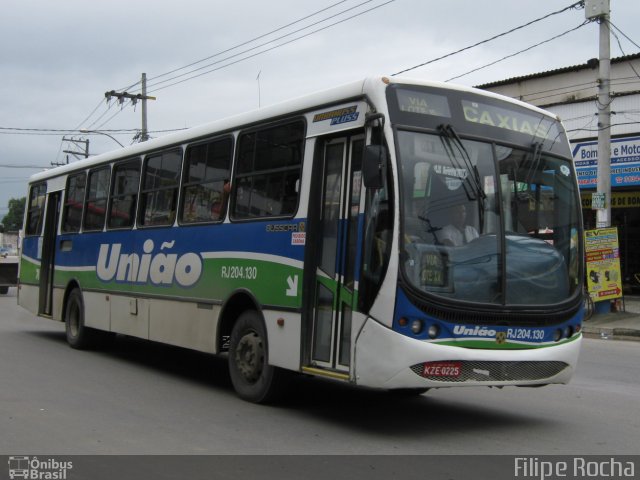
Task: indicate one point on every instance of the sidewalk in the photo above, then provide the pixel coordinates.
(624, 325)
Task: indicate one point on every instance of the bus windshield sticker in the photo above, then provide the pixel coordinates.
(461, 173)
(453, 177)
(298, 238)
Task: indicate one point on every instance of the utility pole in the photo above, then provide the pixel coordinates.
(599, 10)
(76, 154)
(144, 133)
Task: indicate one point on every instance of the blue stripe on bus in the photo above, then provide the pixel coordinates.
(271, 238)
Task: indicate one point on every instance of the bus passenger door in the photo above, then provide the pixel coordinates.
(47, 259)
(337, 256)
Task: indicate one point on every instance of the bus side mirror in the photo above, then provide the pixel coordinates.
(374, 166)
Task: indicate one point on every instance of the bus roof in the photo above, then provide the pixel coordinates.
(361, 88)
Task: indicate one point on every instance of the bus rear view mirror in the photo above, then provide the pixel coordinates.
(374, 166)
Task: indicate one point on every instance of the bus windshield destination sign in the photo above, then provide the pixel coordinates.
(505, 116)
(423, 103)
(508, 119)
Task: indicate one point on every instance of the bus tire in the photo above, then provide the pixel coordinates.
(79, 336)
(4, 290)
(252, 377)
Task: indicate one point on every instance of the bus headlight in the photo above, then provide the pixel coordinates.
(557, 335)
(433, 331)
(417, 326)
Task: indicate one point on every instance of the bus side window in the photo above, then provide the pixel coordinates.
(159, 196)
(74, 200)
(95, 208)
(268, 171)
(35, 209)
(205, 181)
(124, 194)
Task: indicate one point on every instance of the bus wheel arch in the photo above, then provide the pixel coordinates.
(79, 336)
(252, 377)
(72, 285)
(232, 308)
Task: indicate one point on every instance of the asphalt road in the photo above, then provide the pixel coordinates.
(137, 397)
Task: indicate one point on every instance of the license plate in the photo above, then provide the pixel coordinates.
(442, 369)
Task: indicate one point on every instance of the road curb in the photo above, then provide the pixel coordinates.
(607, 333)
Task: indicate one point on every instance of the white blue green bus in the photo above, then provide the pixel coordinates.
(391, 233)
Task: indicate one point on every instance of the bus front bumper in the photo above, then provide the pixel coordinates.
(389, 360)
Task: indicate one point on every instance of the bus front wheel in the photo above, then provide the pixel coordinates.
(79, 336)
(252, 376)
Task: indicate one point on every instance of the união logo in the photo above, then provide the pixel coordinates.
(476, 331)
(159, 268)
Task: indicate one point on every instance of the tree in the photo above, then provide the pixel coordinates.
(12, 221)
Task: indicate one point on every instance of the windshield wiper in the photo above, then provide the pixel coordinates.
(450, 137)
(536, 156)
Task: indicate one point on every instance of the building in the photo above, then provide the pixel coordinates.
(571, 93)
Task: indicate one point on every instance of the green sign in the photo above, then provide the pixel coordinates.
(598, 200)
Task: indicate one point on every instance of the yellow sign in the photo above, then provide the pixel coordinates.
(603, 263)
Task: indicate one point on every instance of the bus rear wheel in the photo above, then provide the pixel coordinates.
(79, 336)
(252, 377)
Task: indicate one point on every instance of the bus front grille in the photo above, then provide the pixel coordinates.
(492, 371)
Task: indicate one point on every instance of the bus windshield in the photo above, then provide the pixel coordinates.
(487, 223)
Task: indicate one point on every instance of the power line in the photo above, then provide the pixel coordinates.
(124, 89)
(52, 131)
(58, 132)
(620, 45)
(93, 127)
(262, 45)
(118, 112)
(29, 167)
(89, 116)
(601, 128)
(520, 51)
(623, 34)
(579, 4)
(247, 42)
(569, 89)
(90, 126)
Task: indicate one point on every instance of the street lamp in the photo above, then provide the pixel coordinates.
(84, 130)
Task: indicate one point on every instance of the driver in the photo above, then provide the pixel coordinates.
(457, 233)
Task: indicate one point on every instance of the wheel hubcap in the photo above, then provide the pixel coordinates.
(249, 356)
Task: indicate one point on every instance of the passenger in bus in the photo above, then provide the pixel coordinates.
(217, 208)
(457, 233)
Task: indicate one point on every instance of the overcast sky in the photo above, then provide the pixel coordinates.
(60, 57)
